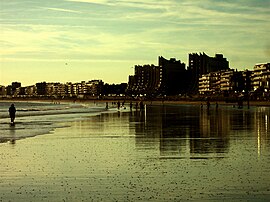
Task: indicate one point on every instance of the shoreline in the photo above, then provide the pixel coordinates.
(127, 101)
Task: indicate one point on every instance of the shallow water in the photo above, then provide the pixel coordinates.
(37, 118)
(165, 153)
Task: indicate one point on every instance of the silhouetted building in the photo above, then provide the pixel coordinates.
(94, 87)
(21, 91)
(14, 89)
(31, 90)
(238, 82)
(41, 88)
(174, 76)
(2, 90)
(114, 89)
(146, 81)
(168, 78)
(15, 85)
(247, 76)
(200, 64)
(9, 90)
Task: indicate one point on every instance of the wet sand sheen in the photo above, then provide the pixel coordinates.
(164, 154)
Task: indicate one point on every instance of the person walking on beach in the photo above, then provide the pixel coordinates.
(118, 105)
(141, 106)
(130, 105)
(12, 112)
(208, 104)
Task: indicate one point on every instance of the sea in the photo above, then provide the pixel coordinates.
(37, 118)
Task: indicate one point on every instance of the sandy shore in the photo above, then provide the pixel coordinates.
(123, 156)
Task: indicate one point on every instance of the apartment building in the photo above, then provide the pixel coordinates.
(209, 83)
(261, 77)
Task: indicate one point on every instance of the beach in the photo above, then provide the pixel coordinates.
(165, 152)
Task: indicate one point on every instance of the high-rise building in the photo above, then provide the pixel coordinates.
(168, 78)
(174, 76)
(146, 81)
(200, 64)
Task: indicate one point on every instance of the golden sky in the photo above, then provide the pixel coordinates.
(76, 40)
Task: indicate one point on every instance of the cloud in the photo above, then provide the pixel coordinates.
(101, 2)
(61, 10)
(150, 4)
(124, 30)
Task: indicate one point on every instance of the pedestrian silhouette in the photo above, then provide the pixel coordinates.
(141, 105)
(12, 112)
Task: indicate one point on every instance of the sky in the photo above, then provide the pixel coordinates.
(82, 40)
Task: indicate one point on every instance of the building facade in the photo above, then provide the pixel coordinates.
(200, 64)
(168, 78)
(174, 79)
(146, 81)
(225, 82)
(261, 77)
(209, 83)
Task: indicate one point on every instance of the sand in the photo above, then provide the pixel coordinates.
(125, 156)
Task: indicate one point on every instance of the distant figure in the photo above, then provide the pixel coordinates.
(201, 105)
(240, 104)
(12, 112)
(141, 105)
(208, 104)
(136, 106)
(216, 105)
(118, 105)
(130, 105)
(107, 105)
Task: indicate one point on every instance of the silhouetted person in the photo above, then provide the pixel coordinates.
(136, 105)
(12, 112)
(141, 105)
(208, 104)
(107, 105)
(118, 105)
(240, 104)
(130, 105)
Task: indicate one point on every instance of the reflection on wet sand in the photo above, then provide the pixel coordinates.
(11, 137)
(188, 131)
(183, 131)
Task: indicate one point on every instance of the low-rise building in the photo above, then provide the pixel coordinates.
(3, 91)
(209, 83)
(225, 81)
(31, 90)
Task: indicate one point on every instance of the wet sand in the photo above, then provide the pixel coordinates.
(161, 154)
